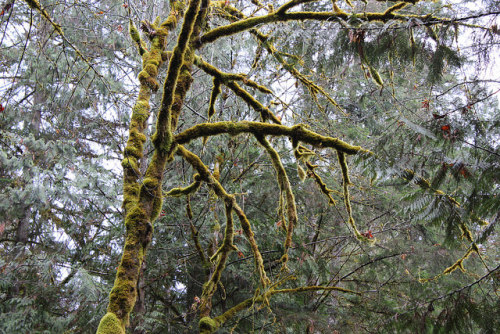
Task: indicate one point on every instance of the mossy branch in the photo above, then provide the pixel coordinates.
(219, 190)
(234, 14)
(191, 189)
(297, 133)
(220, 257)
(285, 188)
(347, 197)
(280, 16)
(321, 184)
(310, 85)
(209, 325)
(136, 37)
(162, 139)
(225, 77)
(228, 79)
(143, 203)
(266, 113)
(459, 264)
(151, 60)
(197, 245)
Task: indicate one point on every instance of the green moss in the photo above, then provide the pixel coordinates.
(151, 69)
(140, 111)
(123, 294)
(376, 76)
(208, 325)
(143, 77)
(157, 205)
(135, 216)
(193, 187)
(134, 33)
(110, 324)
(133, 151)
(136, 37)
(213, 97)
(153, 84)
(170, 22)
(131, 189)
(154, 59)
(156, 22)
(297, 133)
(150, 182)
(130, 162)
(136, 135)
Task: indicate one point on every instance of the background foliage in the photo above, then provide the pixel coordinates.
(64, 121)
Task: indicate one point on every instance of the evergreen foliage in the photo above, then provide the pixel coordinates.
(301, 166)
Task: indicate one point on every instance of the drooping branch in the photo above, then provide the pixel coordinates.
(219, 190)
(347, 197)
(286, 189)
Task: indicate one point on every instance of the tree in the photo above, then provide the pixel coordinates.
(302, 114)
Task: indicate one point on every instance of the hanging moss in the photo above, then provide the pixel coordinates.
(213, 97)
(285, 188)
(376, 76)
(321, 184)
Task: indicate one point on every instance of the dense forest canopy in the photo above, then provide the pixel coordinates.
(249, 166)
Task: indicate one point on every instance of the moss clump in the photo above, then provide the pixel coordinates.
(130, 162)
(136, 135)
(150, 182)
(143, 77)
(208, 325)
(140, 111)
(157, 205)
(133, 151)
(151, 69)
(110, 325)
